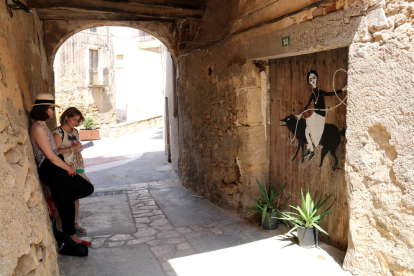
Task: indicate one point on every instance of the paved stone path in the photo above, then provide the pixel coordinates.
(154, 228)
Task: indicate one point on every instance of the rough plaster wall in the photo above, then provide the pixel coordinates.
(27, 245)
(223, 146)
(72, 88)
(379, 159)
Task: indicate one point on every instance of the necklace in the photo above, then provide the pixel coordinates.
(316, 97)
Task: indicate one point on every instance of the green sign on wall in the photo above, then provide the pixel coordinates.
(285, 41)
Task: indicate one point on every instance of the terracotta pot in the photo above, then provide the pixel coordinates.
(85, 135)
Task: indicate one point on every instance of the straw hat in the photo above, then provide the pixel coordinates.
(45, 99)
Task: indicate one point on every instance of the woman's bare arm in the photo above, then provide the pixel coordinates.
(58, 141)
(39, 136)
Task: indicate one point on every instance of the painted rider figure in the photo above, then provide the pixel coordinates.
(315, 124)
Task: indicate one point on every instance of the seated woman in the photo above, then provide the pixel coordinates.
(68, 144)
(66, 186)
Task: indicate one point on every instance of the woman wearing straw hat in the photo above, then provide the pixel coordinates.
(66, 186)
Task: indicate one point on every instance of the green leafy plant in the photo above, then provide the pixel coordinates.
(307, 215)
(89, 124)
(267, 201)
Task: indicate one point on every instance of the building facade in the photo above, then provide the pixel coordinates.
(85, 76)
(138, 75)
(112, 74)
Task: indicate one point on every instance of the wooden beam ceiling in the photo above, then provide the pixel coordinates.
(127, 10)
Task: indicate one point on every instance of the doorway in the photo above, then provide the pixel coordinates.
(289, 89)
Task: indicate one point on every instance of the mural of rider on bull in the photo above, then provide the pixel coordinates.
(313, 131)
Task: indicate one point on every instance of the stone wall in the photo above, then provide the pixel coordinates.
(27, 245)
(222, 125)
(122, 129)
(379, 159)
(72, 82)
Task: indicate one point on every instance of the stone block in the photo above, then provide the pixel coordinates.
(142, 240)
(33, 200)
(20, 175)
(175, 240)
(120, 237)
(145, 232)
(115, 244)
(246, 75)
(302, 16)
(27, 263)
(317, 12)
(252, 145)
(98, 242)
(27, 191)
(162, 250)
(377, 20)
(399, 19)
(329, 9)
(183, 246)
(406, 28)
(231, 174)
(248, 106)
(13, 156)
(340, 4)
(169, 234)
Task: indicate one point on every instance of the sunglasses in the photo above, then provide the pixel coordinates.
(52, 107)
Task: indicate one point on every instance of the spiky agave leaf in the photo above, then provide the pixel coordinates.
(320, 229)
(264, 213)
(307, 215)
(263, 191)
(266, 202)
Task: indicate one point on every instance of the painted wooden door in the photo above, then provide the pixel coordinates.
(290, 89)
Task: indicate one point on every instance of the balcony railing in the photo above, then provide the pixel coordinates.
(146, 38)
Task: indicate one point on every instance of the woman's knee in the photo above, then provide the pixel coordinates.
(90, 190)
(87, 188)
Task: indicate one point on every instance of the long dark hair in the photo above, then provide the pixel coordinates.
(71, 112)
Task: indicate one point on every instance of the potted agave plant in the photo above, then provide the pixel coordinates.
(89, 132)
(267, 204)
(306, 219)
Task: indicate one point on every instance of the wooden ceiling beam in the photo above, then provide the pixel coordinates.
(48, 14)
(129, 8)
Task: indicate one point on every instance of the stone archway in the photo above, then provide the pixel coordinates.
(120, 94)
(58, 31)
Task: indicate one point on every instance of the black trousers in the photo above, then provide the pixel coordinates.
(65, 190)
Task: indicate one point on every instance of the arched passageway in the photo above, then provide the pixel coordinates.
(115, 75)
